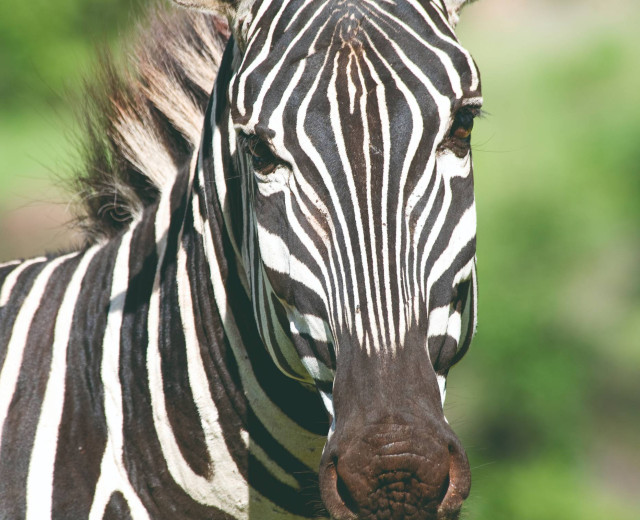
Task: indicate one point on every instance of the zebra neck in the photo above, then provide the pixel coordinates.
(169, 397)
(216, 228)
(258, 407)
(272, 407)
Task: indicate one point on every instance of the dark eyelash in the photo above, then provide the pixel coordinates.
(476, 110)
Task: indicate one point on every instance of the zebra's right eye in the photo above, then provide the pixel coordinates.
(263, 159)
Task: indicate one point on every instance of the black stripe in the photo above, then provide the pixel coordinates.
(83, 433)
(24, 412)
(181, 410)
(10, 311)
(117, 508)
(143, 458)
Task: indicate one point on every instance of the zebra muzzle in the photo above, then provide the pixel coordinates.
(395, 472)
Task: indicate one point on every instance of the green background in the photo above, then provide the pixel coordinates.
(548, 399)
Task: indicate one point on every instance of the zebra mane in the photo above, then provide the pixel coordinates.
(141, 123)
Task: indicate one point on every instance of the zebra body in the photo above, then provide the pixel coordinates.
(191, 364)
(144, 395)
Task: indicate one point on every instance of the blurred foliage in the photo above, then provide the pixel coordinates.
(548, 399)
(42, 43)
(47, 49)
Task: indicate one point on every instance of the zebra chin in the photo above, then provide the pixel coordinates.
(395, 471)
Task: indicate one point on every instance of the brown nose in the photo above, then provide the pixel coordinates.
(395, 472)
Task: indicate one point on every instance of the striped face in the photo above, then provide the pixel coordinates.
(354, 122)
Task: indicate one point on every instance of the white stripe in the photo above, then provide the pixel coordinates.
(272, 467)
(334, 117)
(277, 124)
(434, 232)
(454, 326)
(442, 386)
(308, 147)
(298, 13)
(310, 325)
(226, 489)
(384, 220)
(288, 433)
(12, 278)
(327, 399)
(19, 335)
(113, 475)
(351, 87)
(317, 369)
(475, 79)
(448, 166)
(258, 60)
(438, 319)
(329, 276)
(266, 52)
(220, 182)
(474, 297)
(43, 455)
(453, 166)
(420, 224)
(464, 232)
(282, 343)
(276, 256)
(367, 150)
(196, 486)
(444, 58)
(302, 444)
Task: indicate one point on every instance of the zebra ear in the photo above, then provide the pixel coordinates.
(453, 9)
(216, 6)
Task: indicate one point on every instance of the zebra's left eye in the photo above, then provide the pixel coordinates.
(263, 159)
(463, 123)
(458, 140)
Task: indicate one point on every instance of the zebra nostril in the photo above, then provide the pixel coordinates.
(458, 483)
(445, 488)
(345, 495)
(335, 493)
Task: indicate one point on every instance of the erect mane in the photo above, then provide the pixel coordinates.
(142, 123)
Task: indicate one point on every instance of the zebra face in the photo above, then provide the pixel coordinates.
(354, 122)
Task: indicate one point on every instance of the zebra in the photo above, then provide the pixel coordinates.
(277, 277)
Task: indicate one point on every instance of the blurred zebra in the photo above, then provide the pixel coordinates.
(304, 265)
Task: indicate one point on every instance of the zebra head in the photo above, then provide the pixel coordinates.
(352, 124)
